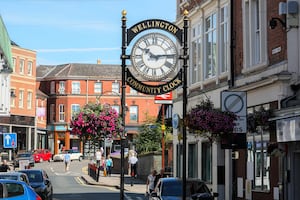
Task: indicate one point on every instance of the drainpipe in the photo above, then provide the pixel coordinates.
(232, 46)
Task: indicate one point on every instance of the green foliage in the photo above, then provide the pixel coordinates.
(149, 138)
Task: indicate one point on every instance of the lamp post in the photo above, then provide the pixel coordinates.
(123, 91)
(184, 99)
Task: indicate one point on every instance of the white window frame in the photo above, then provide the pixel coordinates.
(61, 88)
(75, 87)
(98, 87)
(21, 66)
(29, 68)
(196, 53)
(133, 91)
(210, 50)
(117, 108)
(115, 87)
(224, 41)
(21, 98)
(12, 98)
(133, 112)
(61, 111)
(255, 35)
(29, 100)
(75, 109)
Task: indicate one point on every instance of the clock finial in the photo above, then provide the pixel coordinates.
(185, 12)
(124, 13)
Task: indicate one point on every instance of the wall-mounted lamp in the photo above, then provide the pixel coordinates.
(273, 23)
(5, 69)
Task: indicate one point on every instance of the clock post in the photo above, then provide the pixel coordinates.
(154, 58)
(123, 105)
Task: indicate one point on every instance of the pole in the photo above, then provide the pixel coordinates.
(163, 137)
(184, 100)
(123, 57)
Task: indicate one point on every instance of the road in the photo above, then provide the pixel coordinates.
(69, 185)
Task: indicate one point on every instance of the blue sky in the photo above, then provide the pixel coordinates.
(77, 31)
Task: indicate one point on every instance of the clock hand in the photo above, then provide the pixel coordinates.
(165, 55)
(152, 56)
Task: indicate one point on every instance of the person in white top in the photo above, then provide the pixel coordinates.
(133, 162)
(150, 182)
(99, 156)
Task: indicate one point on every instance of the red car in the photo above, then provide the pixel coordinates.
(41, 155)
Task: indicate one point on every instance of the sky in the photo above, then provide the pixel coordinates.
(77, 31)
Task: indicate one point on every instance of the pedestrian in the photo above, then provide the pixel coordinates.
(4, 166)
(133, 165)
(109, 164)
(67, 161)
(160, 175)
(99, 156)
(150, 182)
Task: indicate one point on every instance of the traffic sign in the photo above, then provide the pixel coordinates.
(9, 140)
(236, 102)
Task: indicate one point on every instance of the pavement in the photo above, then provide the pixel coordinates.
(139, 186)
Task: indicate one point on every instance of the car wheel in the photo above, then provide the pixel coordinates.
(80, 158)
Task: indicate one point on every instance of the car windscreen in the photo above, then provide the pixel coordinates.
(24, 155)
(173, 188)
(34, 176)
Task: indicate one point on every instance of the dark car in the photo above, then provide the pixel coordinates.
(40, 182)
(26, 156)
(41, 155)
(171, 189)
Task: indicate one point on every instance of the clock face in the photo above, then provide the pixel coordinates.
(154, 56)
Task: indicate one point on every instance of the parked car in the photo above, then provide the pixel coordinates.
(75, 155)
(171, 189)
(17, 190)
(41, 155)
(19, 176)
(24, 156)
(40, 182)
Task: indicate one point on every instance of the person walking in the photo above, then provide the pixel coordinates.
(4, 166)
(99, 156)
(133, 165)
(67, 161)
(160, 175)
(150, 182)
(109, 165)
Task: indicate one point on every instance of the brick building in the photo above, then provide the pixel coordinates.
(71, 86)
(233, 47)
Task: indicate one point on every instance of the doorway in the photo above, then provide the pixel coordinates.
(296, 176)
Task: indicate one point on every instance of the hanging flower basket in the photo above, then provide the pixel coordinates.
(97, 121)
(208, 121)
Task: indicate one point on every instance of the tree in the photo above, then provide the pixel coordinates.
(149, 137)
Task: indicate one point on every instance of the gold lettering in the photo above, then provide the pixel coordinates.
(155, 24)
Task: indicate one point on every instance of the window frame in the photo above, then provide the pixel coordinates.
(76, 87)
(133, 113)
(61, 111)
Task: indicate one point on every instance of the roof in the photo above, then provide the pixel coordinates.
(79, 71)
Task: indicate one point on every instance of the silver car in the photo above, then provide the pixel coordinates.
(24, 156)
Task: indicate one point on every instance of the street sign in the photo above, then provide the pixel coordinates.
(164, 98)
(9, 140)
(236, 102)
